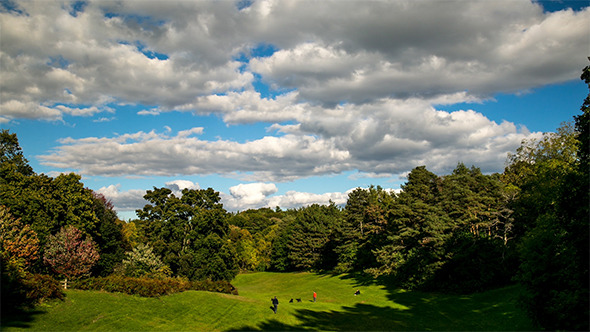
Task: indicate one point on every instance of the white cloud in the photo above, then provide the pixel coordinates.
(149, 112)
(103, 119)
(294, 199)
(329, 52)
(385, 137)
(177, 186)
(257, 195)
(360, 82)
(242, 197)
(130, 200)
(159, 154)
(250, 195)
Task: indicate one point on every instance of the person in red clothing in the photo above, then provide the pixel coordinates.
(315, 296)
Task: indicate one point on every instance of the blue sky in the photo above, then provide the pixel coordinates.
(283, 103)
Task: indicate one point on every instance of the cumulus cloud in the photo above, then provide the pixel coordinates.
(241, 197)
(354, 85)
(388, 136)
(422, 48)
(155, 153)
(130, 200)
(295, 199)
(177, 186)
(257, 195)
(180, 55)
(249, 195)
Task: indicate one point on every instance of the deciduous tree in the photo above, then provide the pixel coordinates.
(189, 232)
(18, 243)
(553, 201)
(70, 254)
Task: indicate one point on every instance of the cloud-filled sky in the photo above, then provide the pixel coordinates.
(283, 103)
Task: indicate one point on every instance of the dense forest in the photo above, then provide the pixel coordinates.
(461, 232)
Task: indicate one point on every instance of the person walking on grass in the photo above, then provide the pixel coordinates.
(315, 296)
(275, 304)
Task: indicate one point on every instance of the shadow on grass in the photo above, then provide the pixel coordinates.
(413, 311)
(21, 317)
(360, 279)
(358, 317)
(419, 314)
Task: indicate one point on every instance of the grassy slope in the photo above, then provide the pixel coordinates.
(377, 308)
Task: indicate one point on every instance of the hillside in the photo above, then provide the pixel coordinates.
(376, 308)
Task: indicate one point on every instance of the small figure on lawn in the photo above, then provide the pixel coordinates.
(275, 304)
(315, 296)
(358, 292)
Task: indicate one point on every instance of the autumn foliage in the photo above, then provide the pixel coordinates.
(69, 254)
(19, 243)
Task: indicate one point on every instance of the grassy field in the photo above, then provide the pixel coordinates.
(377, 308)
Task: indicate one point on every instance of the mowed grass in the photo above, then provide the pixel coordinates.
(377, 308)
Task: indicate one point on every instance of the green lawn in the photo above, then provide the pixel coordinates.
(377, 308)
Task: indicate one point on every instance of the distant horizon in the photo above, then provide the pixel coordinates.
(285, 103)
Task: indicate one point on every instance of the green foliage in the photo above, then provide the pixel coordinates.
(109, 238)
(143, 262)
(189, 233)
(149, 287)
(552, 177)
(252, 234)
(12, 159)
(68, 254)
(213, 259)
(280, 250)
(48, 204)
(311, 243)
(255, 221)
(446, 233)
(363, 229)
(245, 248)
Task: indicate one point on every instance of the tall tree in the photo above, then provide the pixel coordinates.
(478, 255)
(417, 231)
(47, 204)
(364, 227)
(11, 156)
(552, 177)
(311, 241)
(189, 232)
(109, 237)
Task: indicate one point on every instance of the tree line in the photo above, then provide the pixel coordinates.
(460, 232)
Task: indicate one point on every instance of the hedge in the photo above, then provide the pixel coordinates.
(148, 287)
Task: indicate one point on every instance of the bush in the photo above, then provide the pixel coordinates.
(22, 291)
(214, 286)
(41, 287)
(148, 287)
(143, 262)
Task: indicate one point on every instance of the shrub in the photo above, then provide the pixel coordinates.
(149, 287)
(143, 262)
(24, 290)
(214, 286)
(41, 287)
